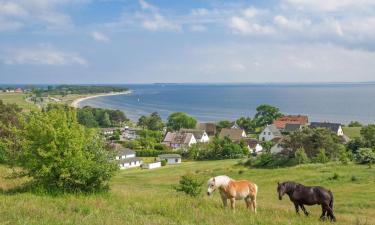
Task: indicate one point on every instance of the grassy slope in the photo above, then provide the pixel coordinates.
(18, 99)
(352, 132)
(146, 197)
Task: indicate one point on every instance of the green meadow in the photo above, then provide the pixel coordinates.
(17, 98)
(147, 197)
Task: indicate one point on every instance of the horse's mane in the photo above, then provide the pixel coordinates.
(222, 179)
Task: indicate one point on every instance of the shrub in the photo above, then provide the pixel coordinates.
(344, 156)
(267, 160)
(301, 156)
(163, 162)
(190, 184)
(353, 178)
(365, 156)
(321, 157)
(334, 177)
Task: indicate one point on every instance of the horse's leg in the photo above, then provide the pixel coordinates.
(303, 209)
(324, 211)
(296, 206)
(248, 202)
(254, 202)
(225, 202)
(330, 213)
(233, 203)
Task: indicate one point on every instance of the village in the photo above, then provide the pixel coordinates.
(181, 141)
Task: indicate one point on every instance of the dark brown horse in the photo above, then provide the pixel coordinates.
(302, 195)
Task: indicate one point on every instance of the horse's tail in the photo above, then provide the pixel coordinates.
(331, 201)
(256, 190)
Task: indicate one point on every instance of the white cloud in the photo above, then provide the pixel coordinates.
(244, 26)
(11, 9)
(251, 12)
(157, 22)
(329, 5)
(43, 55)
(98, 36)
(291, 24)
(198, 28)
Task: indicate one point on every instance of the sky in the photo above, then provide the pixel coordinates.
(170, 41)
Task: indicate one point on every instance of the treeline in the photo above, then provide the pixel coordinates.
(77, 89)
(53, 149)
(99, 117)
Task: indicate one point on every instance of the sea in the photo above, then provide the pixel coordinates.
(334, 102)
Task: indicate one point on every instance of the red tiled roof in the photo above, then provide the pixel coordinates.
(291, 119)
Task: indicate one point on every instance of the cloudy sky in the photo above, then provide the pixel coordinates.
(145, 41)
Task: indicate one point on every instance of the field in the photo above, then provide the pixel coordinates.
(352, 132)
(18, 99)
(147, 197)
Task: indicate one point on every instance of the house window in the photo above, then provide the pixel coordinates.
(269, 133)
(264, 138)
(264, 133)
(176, 160)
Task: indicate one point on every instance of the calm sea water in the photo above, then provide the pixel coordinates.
(321, 102)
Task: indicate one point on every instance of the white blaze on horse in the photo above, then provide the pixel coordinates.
(234, 190)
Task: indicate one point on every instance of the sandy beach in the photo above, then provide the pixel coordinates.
(76, 102)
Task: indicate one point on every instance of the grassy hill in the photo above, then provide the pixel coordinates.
(18, 99)
(352, 132)
(147, 197)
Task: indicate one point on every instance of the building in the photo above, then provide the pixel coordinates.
(277, 148)
(152, 165)
(171, 158)
(130, 134)
(234, 125)
(232, 133)
(334, 127)
(253, 145)
(199, 135)
(210, 128)
(177, 140)
(269, 133)
(108, 131)
(291, 127)
(290, 119)
(126, 158)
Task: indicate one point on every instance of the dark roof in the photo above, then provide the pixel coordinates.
(291, 127)
(197, 133)
(210, 128)
(125, 151)
(168, 156)
(331, 126)
(132, 159)
(233, 134)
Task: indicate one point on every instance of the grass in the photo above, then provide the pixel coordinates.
(352, 132)
(17, 98)
(147, 197)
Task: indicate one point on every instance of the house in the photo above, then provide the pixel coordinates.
(171, 158)
(108, 131)
(152, 165)
(130, 134)
(200, 135)
(253, 145)
(291, 127)
(290, 119)
(18, 90)
(269, 133)
(234, 125)
(334, 127)
(277, 147)
(210, 128)
(234, 134)
(126, 158)
(177, 140)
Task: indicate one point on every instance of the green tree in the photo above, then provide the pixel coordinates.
(223, 124)
(86, 118)
(267, 145)
(179, 120)
(301, 156)
(190, 184)
(151, 122)
(60, 154)
(246, 123)
(368, 135)
(365, 156)
(354, 124)
(321, 157)
(266, 114)
(104, 120)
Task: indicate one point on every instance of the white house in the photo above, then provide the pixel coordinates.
(108, 131)
(334, 127)
(253, 145)
(152, 165)
(199, 135)
(177, 140)
(126, 158)
(269, 133)
(171, 158)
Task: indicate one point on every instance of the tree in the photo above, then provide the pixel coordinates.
(104, 120)
(60, 154)
(266, 114)
(365, 156)
(223, 124)
(301, 156)
(152, 122)
(368, 135)
(179, 120)
(246, 123)
(321, 157)
(190, 184)
(86, 118)
(354, 124)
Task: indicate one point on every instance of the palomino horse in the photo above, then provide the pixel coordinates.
(234, 190)
(301, 195)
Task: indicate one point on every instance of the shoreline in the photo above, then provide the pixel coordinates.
(76, 102)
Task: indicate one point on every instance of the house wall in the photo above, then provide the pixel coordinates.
(173, 160)
(125, 156)
(276, 148)
(340, 132)
(266, 135)
(151, 165)
(204, 138)
(192, 141)
(130, 165)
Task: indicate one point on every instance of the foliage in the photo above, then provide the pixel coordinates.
(223, 124)
(98, 117)
(354, 124)
(365, 156)
(190, 184)
(152, 153)
(247, 124)
(59, 154)
(368, 135)
(301, 156)
(268, 160)
(267, 145)
(151, 122)
(354, 145)
(345, 156)
(77, 89)
(179, 120)
(163, 162)
(321, 157)
(266, 114)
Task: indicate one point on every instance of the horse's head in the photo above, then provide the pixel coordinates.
(281, 189)
(211, 186)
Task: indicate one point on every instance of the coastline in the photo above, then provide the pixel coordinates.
(76, 102)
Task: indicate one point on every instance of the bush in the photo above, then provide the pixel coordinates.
(190, 184)
(163, 162)
(301, 156)
(151, 153)
(267, 160)
(365, 156)
(321, 157)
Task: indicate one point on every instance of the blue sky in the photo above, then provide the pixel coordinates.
(146, 41)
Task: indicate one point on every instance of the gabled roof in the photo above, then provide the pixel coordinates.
(178, 138)
(290, 127)
(210, 128)
(291, 119)
(169, 156)
(233, 134)
(252, 142)
(198, 134)
(273, 129)
(127, 160)
(334, 127)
